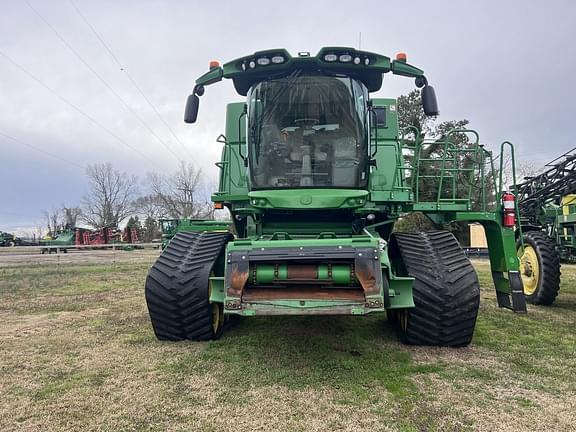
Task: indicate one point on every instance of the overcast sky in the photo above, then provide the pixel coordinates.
(505, 66)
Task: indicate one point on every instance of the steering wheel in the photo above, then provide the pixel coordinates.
(306, 122)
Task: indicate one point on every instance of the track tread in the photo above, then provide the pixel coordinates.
(177, 286)
(446, 289)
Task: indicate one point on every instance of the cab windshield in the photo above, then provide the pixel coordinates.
(307, 131)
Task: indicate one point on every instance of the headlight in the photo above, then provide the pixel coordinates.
(263, 61)
(278, 59)
(356, 60)
(367, 61)
(252, 64)
(345, 58)
(330, 57)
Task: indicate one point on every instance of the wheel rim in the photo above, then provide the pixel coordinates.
(217, 312)
(529, 270)
(216, 317)
(403, 319)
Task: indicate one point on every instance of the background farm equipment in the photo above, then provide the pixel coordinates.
(548, 220)
(171, 227)
(7, 239)
(63, 238)
(315, 173)
(88, 237)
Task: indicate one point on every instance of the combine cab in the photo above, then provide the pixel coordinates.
(315, 172)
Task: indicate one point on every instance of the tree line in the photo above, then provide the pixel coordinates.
(411, 115)
(114, 197)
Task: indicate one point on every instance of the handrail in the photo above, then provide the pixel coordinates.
(516, 209)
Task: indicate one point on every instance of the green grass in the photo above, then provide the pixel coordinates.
(78, 353)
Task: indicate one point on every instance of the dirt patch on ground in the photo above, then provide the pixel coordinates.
(505, 406)
(18, 326)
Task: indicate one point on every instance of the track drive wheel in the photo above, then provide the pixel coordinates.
(539, 268)
(178, 287)
(446, 290)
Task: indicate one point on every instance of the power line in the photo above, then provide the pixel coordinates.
(73, 106)
(101, 79)
(5, 135)
(123, 69)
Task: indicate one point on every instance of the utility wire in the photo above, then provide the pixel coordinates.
(73, 106)
(123, 69)
(5, 135)
(102, 80)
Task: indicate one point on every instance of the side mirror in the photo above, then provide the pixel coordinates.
(191, 111)
(429, 102)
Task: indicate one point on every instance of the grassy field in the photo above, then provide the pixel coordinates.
(77, 353)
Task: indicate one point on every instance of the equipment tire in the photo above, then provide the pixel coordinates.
(446, 290)
(177, 287)
(539, 268)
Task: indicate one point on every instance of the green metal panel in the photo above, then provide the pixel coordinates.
(400, 292)
(217, 294)
(233, 185)
(308, 198)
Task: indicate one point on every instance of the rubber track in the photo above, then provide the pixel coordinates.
(549, 262)
(177, 286)
(446, 289)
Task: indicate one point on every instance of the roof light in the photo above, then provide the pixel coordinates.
(263, 61)
(214, 64)
(277, 59)
(330, 57)
(345, 58)
(401, 57)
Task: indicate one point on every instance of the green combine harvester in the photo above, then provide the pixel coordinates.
(315, 173)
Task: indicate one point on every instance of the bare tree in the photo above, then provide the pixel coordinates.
(150, 206)
(70, 216)
(523, 169)
(53, 221)
(181, 195)
(111, 196)
(527, 169)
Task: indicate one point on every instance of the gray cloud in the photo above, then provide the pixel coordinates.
(503, 65)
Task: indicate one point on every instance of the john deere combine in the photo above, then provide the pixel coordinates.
(315, 173)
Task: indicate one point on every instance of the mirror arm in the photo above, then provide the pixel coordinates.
(212, 76)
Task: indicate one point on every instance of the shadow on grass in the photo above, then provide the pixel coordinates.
(350, 353)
